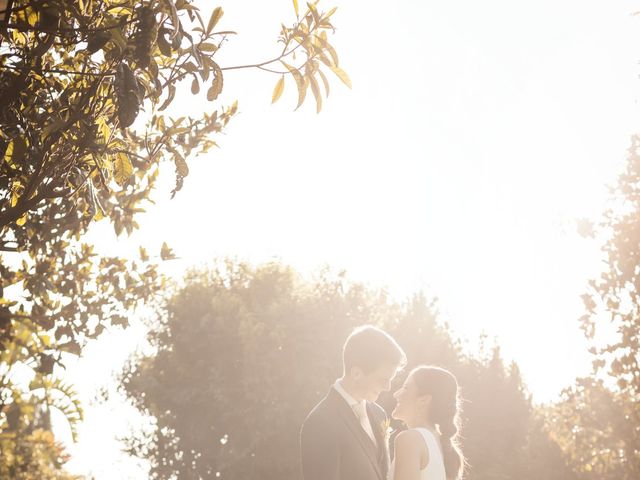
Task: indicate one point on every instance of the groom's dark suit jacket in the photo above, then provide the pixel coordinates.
(334, 446)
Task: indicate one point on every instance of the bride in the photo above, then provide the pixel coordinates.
(428, 404)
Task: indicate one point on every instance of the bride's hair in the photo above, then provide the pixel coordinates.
(445, 413)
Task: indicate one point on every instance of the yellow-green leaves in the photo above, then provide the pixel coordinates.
(32, 17)
(54, 125)
(118, 38)
(16, 151)
(127, 93)
(216, 85)
(342, 75)
(97, 40)
(163, 44)
(309, 36)
(122, 168)
(301, 83)
(104, 128)
(295, 7)
(314, 12)
(327, 16)
(207, 47)
(316, 92)
(166, 253)
(22, 220)
(170, 96)
(322, 38)
(215, 18)
(182, 168)
(324, 81)
(94, 206)
(277, 90)
(16, 191)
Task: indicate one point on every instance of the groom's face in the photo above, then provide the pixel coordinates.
(377, 381)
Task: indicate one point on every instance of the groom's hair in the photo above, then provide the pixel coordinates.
(369, 348)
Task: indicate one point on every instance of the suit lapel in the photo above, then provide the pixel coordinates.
(356, 429)
(381, 437)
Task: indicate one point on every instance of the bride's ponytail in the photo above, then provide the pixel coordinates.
(451, 453)
(445, 413)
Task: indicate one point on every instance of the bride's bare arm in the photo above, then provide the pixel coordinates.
(409, 455)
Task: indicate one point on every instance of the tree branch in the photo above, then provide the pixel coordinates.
(55, 70)
(262, 64)
(12, 214)
(29, 28)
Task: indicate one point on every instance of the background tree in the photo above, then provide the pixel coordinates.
(505, 435)
(242, 354)
(27, 447)
(592, 424)
(73, 79)
(598, 420)
(33, 455)
(75, 148)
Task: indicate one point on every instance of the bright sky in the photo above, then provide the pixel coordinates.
(474, 136)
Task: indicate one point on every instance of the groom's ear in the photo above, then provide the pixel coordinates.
(356, 373)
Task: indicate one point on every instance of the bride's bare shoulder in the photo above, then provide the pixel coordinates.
(410, 447)
(408, 439)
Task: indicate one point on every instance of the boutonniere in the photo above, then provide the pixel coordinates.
(385, 428)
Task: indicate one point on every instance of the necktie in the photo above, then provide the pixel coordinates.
(361, 412)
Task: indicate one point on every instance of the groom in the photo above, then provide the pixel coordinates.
(344, 437)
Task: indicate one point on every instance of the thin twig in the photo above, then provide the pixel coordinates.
(273, 71)
(55, 70)
(29, 28)
(258, 65)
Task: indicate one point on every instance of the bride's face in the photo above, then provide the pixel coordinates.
(411, 404)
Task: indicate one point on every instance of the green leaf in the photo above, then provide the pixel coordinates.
(70, 347)
(314, 13)
(207, 65)
(300, 83)
(329, 13)
(166, 253)
(16, 151)
(215, 17)
(182, 169)
(97, 41)
(53, 127)
(342, 75)
(122, 168)
(216, 85)
(164, 45)
(208, 47)
(324, 81)
(103, 128)
(175, 19)
(118, 38)
(181, 166)
(277, 91)
(169, 99)
(316, 93)
(32, 17)
(327, 46)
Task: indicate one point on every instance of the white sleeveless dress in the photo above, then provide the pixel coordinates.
(435, 467)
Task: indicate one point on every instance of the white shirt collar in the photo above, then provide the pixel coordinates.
(348, 398)
(359, 410)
